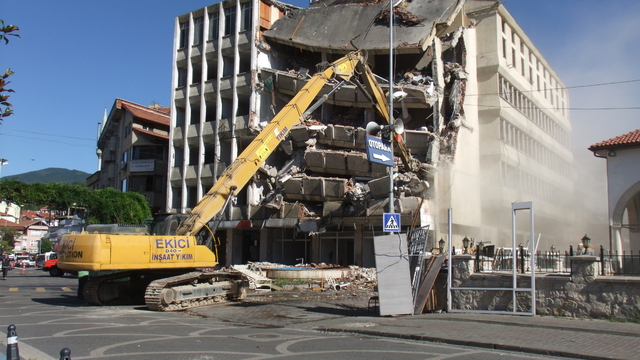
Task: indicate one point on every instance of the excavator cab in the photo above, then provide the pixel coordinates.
(164, 224)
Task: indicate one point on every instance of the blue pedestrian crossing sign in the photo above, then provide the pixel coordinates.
(391, 222)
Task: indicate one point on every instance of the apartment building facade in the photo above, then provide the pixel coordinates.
(524, 130)
(132, 151)
(318, 199)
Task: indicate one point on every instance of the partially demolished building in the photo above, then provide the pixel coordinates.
(484, 118)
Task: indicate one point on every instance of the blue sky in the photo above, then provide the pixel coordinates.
(75, 57)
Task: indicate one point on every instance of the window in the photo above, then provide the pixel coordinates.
(198, 30)
(182, 77)
(123, 186)
(142, 183)
(180, 116)
(214, 23)
(194, 155)
(147, 152)
(230, 20)
(196, 76)
(125, 156)
(245, 20)
(504, 48)
(184, 34)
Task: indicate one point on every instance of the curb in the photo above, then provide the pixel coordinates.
(477, 344)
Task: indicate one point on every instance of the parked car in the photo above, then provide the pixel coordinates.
(26, 263)
(42, 258)
(52, 267)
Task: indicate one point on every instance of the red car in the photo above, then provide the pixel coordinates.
(52, 267)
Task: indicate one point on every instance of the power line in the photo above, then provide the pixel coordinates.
(58, 136)
(39, 139)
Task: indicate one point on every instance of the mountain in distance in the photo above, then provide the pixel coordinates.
(50, 175)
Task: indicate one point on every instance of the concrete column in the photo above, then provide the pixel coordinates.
(228, 261)
(315, 248)
(461, 269)
(264, 244)
(617, 245)
(584, 268)
(358, 241)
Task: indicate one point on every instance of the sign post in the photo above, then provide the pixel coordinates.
(391, 222)
(379, 150)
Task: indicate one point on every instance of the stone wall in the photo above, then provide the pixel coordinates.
(583, 294)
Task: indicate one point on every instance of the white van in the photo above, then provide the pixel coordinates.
(42, 258)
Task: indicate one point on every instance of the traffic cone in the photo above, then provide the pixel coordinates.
(65, 354)
(12, 343)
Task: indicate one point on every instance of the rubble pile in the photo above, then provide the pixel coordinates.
(402, 17)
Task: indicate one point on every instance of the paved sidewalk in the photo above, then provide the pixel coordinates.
(584, 339)
(574, 338)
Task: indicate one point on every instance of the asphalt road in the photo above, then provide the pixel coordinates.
(48, 317)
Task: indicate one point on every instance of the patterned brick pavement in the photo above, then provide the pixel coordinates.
(575, 338)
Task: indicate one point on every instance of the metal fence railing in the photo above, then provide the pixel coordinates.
(610, 263)
(546, 262)
(615, 263)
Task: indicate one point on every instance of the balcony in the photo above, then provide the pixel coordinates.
(196, 53)
(191, 178)
(227, 45)
(181, 57)
(194, 93)
(176, 177)
(243, 84)
(241, 124)
(244, 41)
(210, 90)
(211, 50)
(193, 132)
(178, 137)
(180, 95)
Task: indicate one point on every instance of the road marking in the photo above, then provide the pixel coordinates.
(66, 289)
(28, 352)
(40, 289)
(13, 289)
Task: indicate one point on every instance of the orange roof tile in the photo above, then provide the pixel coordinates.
(147, 132)
(145, 113)
(630, 139)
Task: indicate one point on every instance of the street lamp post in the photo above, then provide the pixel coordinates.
(465, 244)
(586, 243)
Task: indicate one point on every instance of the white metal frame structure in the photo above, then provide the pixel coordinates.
(514, 288)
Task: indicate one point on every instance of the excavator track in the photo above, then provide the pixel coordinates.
(195, 289)
(114, 289)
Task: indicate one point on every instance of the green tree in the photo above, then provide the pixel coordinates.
(8, 238)
(46, 245)
(5, 32)
(109, 205)
(104, 206)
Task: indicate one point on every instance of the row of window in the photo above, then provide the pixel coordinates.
(526, 183)
(244, 66)
(511, 135)
(143, 183)
(146, 152)
(519, 101)
(242, 109)
(531, 68)
(228, 25)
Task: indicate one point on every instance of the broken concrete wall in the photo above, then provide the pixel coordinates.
(328, 170)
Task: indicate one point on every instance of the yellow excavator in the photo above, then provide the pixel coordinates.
(165, 262)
